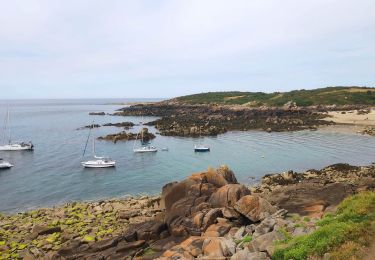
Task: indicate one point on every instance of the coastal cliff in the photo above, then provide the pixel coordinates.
(208, 215)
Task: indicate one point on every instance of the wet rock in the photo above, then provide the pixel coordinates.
(97, 114)
(126, 125)
(254, 208)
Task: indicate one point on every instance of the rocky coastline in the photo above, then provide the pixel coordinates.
(127, 136)
(209, 215)
(210, 120)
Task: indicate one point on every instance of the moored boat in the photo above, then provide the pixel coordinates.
(5, 164)
(98, 161)
(201, 148)
(14, 146)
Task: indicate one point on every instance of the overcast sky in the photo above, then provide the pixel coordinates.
(151, 48)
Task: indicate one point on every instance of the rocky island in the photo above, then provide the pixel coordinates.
(218, 112)
(209, 215)
(126, 136)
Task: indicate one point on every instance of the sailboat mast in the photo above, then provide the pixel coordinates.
(93, 146)
(8, 125)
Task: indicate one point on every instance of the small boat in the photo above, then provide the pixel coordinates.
(146, 149)
(5, 164)
(98, 161)
(201, 148)
(146, 145)
(14, 146)
(165, 149)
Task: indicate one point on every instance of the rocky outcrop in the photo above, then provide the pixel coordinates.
(89, 127)
(126, 125)
(369, 130)
(196, 120)
(315, 191)
(80, 229)
(97, 114)
(126, 136)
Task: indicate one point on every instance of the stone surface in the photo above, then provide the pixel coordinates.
(228, 195)
(254, 208)
(266, 242)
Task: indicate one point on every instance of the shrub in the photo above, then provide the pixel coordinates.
(353, 217)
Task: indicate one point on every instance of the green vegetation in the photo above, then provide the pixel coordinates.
(323, 96)
(347, 231)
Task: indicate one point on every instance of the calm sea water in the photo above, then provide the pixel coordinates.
(52, 174)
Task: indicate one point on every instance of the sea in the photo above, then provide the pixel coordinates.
(52, 174)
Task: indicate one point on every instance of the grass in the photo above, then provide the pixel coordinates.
(346, 231)
(324, 96)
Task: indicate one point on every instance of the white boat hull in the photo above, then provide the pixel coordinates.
(146, 150)
(17, 147)
(201, 149)
(99, 164)
(5, 165)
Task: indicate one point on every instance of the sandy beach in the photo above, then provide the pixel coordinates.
(349, 122)
(352, 118)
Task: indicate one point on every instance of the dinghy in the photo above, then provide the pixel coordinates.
(201, 148)
(5, 164)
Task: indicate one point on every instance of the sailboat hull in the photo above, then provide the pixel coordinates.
(17, 147)
(99, 164)
(147, 150)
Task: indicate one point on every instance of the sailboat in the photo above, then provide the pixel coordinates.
(146, 145)
(98, 161)
(5, 164)
(14, 146)
(200, 148)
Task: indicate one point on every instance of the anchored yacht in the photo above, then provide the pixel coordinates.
(14, 146)
(98, 161)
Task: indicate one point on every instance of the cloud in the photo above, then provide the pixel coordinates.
(137, 48)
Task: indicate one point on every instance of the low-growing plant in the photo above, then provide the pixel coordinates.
(353, 217)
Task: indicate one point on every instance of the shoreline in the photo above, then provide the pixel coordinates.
(45, 232)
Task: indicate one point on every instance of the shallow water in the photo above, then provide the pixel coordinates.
(52, 174)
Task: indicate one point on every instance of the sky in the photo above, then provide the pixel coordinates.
(168, 48)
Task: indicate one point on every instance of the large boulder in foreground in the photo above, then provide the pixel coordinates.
(181, 198)
(187, 207)
(254, 208)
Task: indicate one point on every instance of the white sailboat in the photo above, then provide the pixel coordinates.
(146, 146)
(98, 161)
(5, 164)
(14, 146)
